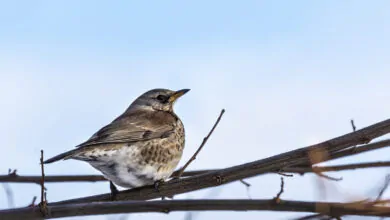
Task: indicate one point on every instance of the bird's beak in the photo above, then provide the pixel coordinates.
(177, 94)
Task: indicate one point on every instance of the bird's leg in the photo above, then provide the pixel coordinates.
(113, 190)
(157, 184)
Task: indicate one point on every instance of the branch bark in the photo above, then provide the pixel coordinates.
(15, 178)
(98, 178)
(51, 179)
(166, 206)
(335, 147)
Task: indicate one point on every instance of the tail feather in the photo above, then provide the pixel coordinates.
(63, 156)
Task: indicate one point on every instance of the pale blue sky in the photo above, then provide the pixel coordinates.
(289, 73)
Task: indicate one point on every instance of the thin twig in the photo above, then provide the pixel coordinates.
(32, 204)
(201, 146)
(10, 195)
(313, 217)
(247, 186)
(12, 172)
(284, 174)
(277, 197)
(42, 178)
(316, 171)
(189, 216)
(43, 203)
(302, 170)
(310, 217)
(245, 183)
(8, 190)
(353, 125)
(383, 189)
(328, 177)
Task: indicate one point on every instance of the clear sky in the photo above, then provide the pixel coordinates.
(288, 73)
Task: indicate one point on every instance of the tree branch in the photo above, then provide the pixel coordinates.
(297, 157)
(51, 179)
(302, 170)
(97, 178)
(178, 175)
(383, 189)
(353, 125)
(277, 197)
(350, 151)
(42, 179)
(166, 206)
(43, 204)
(15, 178)
(10, 195)
(314, 217)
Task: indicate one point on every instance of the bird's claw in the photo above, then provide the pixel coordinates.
(157, 184)
(114, 191)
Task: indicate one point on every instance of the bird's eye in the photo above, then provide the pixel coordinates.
(162, 98)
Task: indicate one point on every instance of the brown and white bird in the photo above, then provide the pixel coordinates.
(140, 147)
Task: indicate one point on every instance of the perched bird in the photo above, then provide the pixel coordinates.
(140, 147)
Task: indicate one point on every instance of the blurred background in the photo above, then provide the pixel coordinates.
(288, 73)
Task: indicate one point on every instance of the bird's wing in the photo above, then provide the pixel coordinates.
(131, 128)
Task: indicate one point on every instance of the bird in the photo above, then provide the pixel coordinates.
(142, 146)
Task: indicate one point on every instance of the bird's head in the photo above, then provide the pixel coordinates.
(159, 99)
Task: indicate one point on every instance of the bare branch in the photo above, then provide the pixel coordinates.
(354, 150)
(302, 170)
(14, 178)
(43, 204)
(285, 174)
(97, 178)
(32, 204)
(277, 197)
(290, 159)
(166, 206)
(328, 177)
(245, 183)
(383, 189)
(302, 159)
(247, 186)
(10, 195)
(12, 172)
(314, 217)
(353, 125)
(42, 178)
(235, 173)
(201, 146)
(52, 179)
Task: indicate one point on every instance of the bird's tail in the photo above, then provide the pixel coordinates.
(63, 156)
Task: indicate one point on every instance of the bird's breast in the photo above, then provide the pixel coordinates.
(144, 162)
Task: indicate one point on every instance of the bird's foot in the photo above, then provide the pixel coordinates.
(114, 191)
(157, 184)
